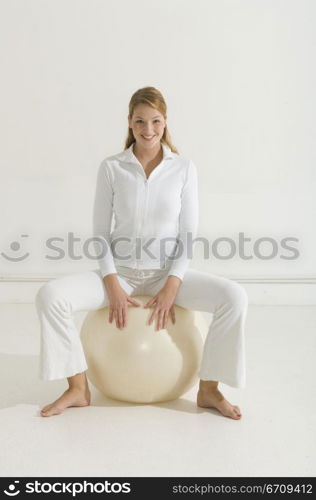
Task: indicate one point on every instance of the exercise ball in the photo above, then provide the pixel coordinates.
(140, 364)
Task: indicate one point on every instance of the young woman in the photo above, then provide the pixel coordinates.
(153, 193)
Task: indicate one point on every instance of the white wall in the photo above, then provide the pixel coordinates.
(239, 79)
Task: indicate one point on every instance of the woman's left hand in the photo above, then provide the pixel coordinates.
(164, 304)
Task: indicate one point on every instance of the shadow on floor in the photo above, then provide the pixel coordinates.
(20, 384)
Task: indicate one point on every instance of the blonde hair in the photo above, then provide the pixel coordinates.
(154, 98)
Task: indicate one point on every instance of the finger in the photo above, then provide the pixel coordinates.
(133, 301)
(161, 319)
(150, 302)
(120, 317)
(158, 320)
(153, 314)
(110, 315)
(124, 316)
(166, 319)
(116, 318)
(173, 315)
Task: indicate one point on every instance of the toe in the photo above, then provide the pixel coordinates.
(46, 408)
(52, 411)
(237, 414)
(237, 410)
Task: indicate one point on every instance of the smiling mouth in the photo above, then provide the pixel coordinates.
(148, 138)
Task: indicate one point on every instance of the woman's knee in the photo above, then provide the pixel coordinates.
(47, 295)
(235, 295)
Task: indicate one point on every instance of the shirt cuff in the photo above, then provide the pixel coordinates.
(107, 268)
(178, 274)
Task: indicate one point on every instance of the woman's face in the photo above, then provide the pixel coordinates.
(147, 124)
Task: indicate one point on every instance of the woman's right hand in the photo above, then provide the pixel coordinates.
(118, 301)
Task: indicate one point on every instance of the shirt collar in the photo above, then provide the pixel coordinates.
(128, 155)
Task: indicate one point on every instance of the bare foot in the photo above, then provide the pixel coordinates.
(71, 397)
(215, 399)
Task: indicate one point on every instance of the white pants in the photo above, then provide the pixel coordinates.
(61, 352)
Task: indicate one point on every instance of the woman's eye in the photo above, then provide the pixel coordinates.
(137, 121)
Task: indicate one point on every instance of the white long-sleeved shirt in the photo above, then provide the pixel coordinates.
(155, 218)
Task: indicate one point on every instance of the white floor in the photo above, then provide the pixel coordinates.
(275, 437)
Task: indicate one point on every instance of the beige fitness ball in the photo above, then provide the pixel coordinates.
(139, 364)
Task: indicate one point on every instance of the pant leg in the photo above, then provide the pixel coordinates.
(224, 348)
(61, 351)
